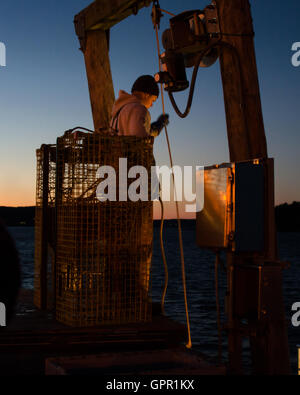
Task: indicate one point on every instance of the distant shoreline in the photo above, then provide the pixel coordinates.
(287, 217)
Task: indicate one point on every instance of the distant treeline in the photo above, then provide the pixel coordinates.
(287, 217)
(17, 216)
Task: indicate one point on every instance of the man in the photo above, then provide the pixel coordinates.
(130, 115)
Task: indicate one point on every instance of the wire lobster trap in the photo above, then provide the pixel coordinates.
(103, 248)
(44, 225)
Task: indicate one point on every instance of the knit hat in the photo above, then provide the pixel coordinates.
(146, 84)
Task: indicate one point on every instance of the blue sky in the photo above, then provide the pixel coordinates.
(44, 89)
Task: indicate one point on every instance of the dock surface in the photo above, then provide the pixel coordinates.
(34, 343)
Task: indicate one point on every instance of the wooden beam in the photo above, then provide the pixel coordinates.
(92, 28)
(247, 140)
(99, 78)
(103, 14)
(245, 126)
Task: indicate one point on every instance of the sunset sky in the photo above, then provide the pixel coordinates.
(44, 89)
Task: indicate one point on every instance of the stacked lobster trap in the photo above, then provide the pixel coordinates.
(44, 225)
(103, 249)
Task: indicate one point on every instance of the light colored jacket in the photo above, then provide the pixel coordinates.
(130, 117)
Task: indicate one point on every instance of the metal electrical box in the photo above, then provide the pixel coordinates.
(233, 211)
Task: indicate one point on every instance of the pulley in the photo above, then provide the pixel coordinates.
(190, 33)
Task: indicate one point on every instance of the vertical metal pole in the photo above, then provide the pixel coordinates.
(234, 336)
(45, 213)
(58, 197)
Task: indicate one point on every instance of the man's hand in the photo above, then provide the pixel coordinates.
(163, 120)
(157, 127)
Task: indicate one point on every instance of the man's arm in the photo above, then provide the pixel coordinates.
(136, 121)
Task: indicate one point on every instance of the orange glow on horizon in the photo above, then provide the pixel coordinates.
(16, 192)
(170, 211)
(17, 202)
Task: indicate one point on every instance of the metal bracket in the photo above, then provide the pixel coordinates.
(212, 21)
(156, 14)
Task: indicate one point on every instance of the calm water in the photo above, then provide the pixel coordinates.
(200, 284)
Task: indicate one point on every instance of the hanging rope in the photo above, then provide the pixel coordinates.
(189, 343)
(166, 12)
(163, 257)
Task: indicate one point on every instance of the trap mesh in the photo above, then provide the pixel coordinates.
(104, 249)
(44, 216)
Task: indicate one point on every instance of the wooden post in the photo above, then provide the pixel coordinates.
(99, 77)
(92, 27)
(245, 127)
(247, 140)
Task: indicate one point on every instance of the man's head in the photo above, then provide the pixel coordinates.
(146, 88)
